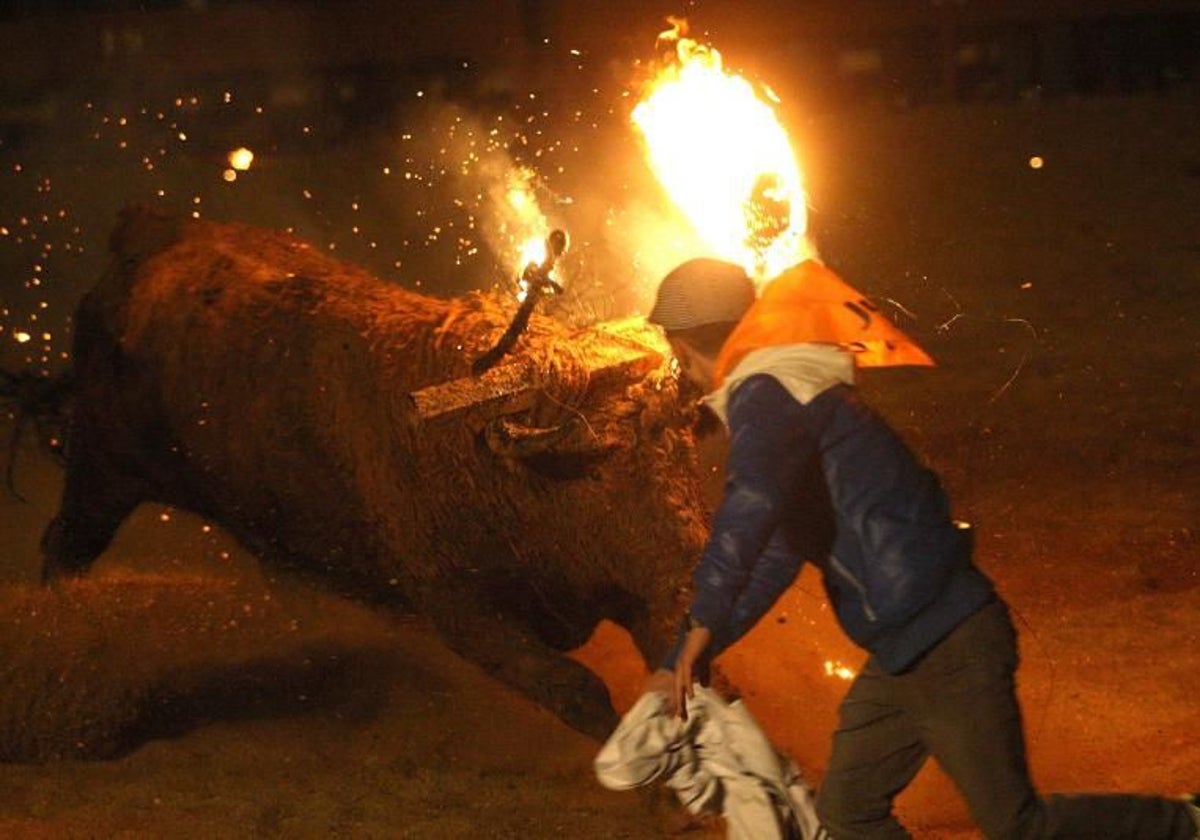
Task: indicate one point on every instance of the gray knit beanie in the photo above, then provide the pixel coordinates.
(702, 291)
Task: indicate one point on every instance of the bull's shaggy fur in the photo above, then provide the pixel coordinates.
(245, 375)
(91, 669)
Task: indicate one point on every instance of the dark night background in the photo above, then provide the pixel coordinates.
(1016, 183)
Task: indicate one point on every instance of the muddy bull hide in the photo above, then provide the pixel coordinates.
(297, 401)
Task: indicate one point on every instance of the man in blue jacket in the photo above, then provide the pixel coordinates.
(896, 567)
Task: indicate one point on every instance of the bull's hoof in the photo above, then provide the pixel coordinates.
(54, 574)
(56, 571)
(58, 563)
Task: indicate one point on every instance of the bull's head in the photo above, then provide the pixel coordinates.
(502, 400)
(616, 454)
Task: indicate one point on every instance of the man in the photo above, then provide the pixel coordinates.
(779, 372)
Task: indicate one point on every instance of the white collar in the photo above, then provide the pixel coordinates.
(805, 370)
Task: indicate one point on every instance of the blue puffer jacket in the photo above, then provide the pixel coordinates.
(896, 567)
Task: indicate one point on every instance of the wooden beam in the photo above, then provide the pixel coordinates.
(615, 350)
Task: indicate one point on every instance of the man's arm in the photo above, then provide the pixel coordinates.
(768, 448)
(776, 569)
(738, 579)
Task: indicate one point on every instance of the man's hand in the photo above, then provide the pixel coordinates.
(661, 680)
(694, 644)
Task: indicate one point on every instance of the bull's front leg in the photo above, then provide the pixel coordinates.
(504, 648)
(99, 492)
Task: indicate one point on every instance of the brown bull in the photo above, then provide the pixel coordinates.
(318, 415)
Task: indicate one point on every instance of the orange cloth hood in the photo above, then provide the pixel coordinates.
(809, 303)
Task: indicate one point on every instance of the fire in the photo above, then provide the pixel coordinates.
(533, 251)
(719, 150)
(525, 222)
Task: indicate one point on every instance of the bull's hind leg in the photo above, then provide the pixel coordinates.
(514, 655)
(99, 493)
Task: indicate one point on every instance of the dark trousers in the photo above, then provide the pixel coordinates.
(958, 705)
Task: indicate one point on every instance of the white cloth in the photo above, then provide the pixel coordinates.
(805, 370)
(718, 761)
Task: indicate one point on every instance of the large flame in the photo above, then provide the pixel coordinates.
(716, 145)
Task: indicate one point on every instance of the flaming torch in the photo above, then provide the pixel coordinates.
(718, 149)
(535, 282)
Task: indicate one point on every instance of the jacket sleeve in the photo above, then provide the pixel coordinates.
(775, 570)
(777, 567)
(738, 579)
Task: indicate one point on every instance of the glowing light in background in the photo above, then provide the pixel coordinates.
(240, 159)
(717, 147)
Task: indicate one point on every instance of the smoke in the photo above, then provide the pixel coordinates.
(490, 182)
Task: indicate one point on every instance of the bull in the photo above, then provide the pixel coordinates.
(331, 423)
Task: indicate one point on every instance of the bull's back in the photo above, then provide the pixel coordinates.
(256, 381)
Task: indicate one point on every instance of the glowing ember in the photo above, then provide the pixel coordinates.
(837, 669)
(719, 150)
(241, 158)
(21, 336)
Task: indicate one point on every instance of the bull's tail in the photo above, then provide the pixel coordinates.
(41, 401)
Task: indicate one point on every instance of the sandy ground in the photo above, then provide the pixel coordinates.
(1061, 302)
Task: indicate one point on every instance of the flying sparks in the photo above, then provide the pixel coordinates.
(837, 669)
(241, 158)
(719, 150)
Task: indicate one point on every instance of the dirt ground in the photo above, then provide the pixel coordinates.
(1061, 302)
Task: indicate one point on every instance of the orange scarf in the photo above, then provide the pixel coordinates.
(809, 303)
